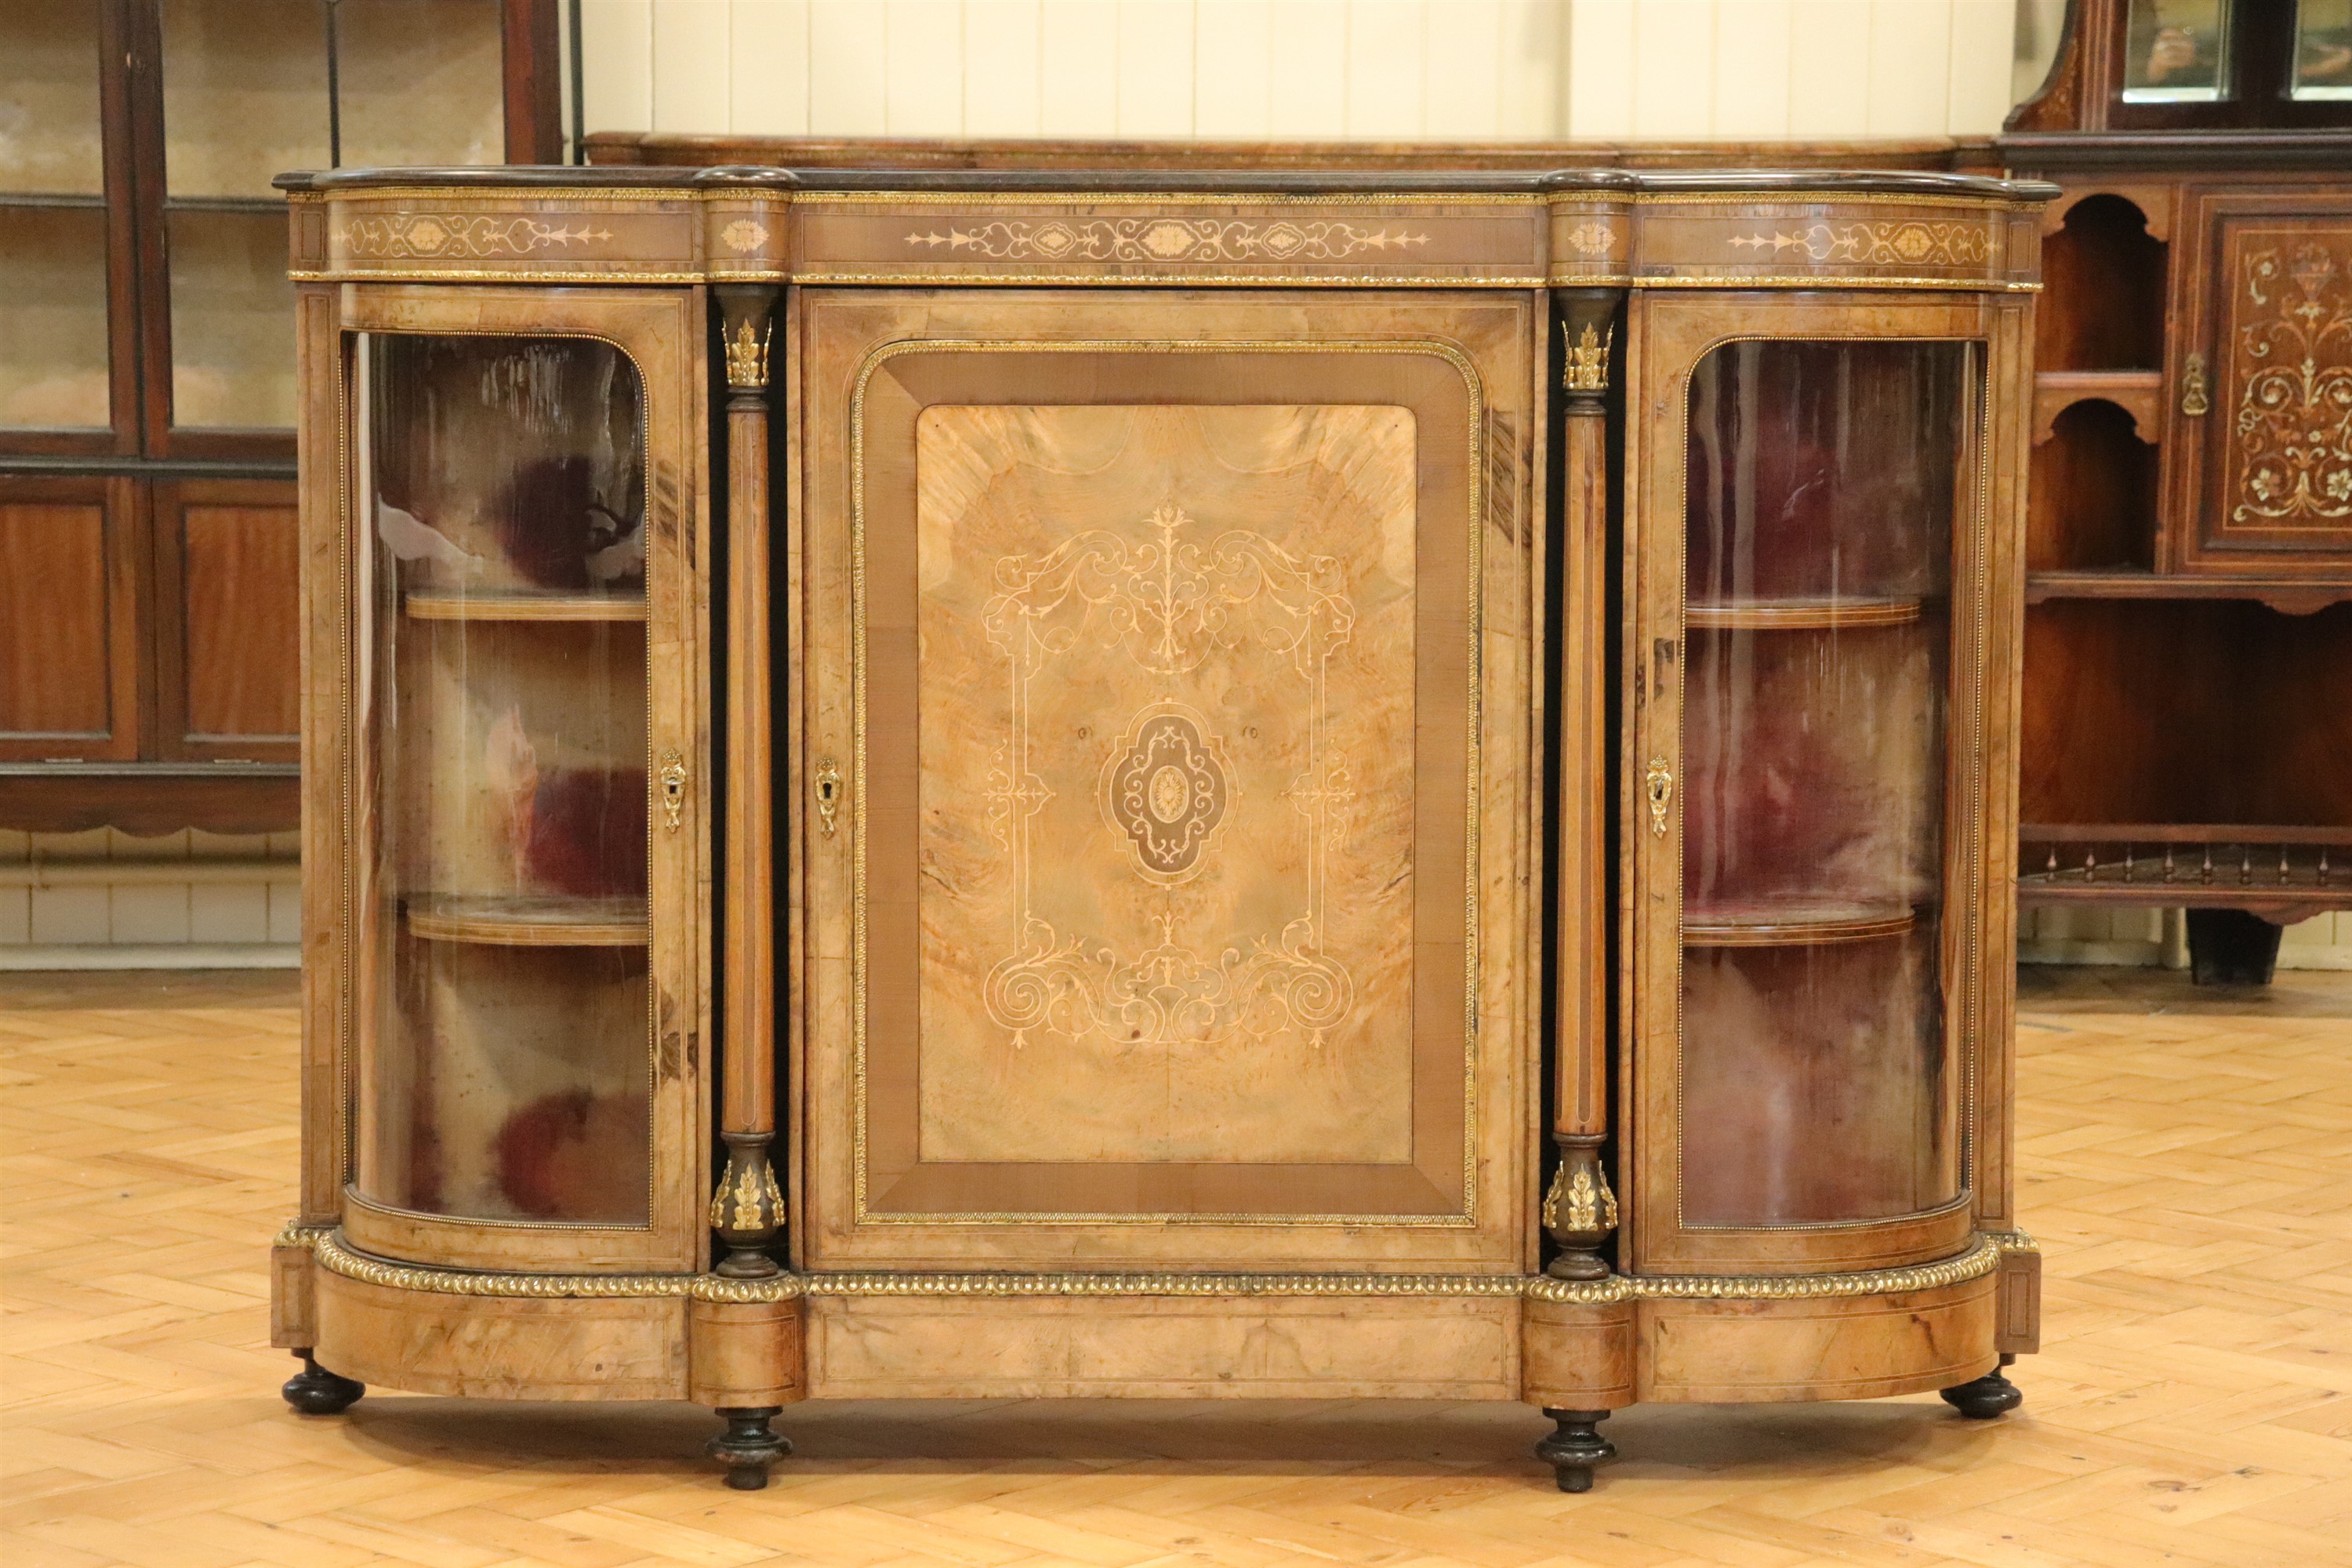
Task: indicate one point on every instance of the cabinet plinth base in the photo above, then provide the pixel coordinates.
(1856, 1347)
(747, 1351)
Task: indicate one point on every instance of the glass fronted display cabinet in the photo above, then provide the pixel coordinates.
(1814, 626)
(943, 786)
(511, 730)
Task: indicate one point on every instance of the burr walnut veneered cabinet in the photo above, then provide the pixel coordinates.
(999, 785)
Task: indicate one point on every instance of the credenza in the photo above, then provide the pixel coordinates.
(1004, 784)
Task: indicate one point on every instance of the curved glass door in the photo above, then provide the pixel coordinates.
(1817, 1083)
(506, 1072)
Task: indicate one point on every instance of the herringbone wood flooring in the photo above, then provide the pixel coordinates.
(2187, 1160)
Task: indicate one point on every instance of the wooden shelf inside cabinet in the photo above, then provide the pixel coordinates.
(1800, 615)
(448, 606)
(1794, 925)
(523, 921)
(2287, 595)
(2139, 393)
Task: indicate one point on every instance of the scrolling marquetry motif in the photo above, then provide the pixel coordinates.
(1914, 243)
(1167, 789)
(1166, 239)
(461, 236)
(1170, 606)
(2293, 419)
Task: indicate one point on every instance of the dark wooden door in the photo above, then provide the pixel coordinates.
(2270, 430)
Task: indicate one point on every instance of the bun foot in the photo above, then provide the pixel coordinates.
(1576, 1447)
(315, 1391)
(748, 1447)
(1990, 1395)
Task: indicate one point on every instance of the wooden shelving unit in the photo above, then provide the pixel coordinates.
(2188, 635)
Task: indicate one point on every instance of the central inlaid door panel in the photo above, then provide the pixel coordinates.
(1164, 770)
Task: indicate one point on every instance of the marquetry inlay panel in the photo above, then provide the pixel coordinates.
(2290, 397)
(1165, 857)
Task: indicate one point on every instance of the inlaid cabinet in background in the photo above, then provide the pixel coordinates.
(1117, 785)
(2187, 674)
(149, 656)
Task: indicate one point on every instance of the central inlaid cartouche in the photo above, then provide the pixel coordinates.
(1166, 791)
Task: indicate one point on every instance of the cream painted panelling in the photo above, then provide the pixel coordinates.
(1473, 69)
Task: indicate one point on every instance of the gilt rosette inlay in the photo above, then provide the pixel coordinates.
(2294, 406)
(1166, 239)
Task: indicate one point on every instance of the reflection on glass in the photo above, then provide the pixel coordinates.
(1822, 482)
(49, 126)
(421, 81)
(2323, 49)
(2177, 51)
(506, 1068)
(1815, 1085)
(1813, 768)
(232, 319)
(53, 317)
(245, 94)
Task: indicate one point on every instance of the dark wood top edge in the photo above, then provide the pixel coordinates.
(2180, 149)
(1763, 184)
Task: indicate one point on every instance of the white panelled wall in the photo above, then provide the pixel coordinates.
(1301, 69)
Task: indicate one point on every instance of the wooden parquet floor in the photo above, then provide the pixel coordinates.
(2187, 1161)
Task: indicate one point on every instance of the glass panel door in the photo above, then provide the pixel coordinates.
(528, 1018)
(1809, 781)
(2177, 51)
(1819, 515)
(2323, 49)
(504, 495)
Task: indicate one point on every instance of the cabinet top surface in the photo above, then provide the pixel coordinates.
(1401, 182)
(1193, 227)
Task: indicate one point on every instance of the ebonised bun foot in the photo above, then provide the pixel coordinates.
(748, 1446)
(1576, 1447)
(315, 1391)
(1990, 1395)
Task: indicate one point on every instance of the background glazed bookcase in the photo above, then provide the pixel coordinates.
(150, 617)
(1160, 784)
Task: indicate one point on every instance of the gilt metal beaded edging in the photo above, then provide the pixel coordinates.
(1981, 1260)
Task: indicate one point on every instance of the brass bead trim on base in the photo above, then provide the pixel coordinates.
(1979, 1260)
